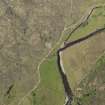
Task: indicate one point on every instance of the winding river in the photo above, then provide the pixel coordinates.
(68, 90)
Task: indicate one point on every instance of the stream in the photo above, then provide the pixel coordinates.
(67, 88)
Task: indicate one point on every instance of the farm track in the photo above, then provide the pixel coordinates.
(73, 28)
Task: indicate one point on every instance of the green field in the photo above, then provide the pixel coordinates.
(50, 91)
(51, 83)
(95, 21)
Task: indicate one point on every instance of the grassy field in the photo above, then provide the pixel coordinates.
(91, 90)
(79, 58)
(95, 21)
(50, 91)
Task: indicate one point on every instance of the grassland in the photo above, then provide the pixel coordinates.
(51, 83)
(50, 91)
(79, 58)
(28, 31)
(91, 90)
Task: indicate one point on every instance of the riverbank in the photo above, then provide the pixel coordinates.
(68, 90)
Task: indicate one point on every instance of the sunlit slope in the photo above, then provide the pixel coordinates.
(91, 90)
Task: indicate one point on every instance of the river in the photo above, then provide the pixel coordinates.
(68, 90)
